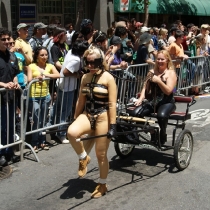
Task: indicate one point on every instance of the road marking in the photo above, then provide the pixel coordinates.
(197, 116)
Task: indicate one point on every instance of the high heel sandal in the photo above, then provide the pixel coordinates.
(36, 149)
(44, 147)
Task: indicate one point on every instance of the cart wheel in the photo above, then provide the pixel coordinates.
(183, 149)
(123, 150)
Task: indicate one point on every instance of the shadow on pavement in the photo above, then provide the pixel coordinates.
(145, 163)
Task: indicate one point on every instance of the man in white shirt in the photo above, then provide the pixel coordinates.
(67, 85)
(70, 32)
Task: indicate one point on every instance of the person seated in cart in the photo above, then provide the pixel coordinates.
(158, 90)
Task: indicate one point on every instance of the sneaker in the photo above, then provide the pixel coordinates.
(83, 166)
(207, 89)
(63, 139)
(100, 190)
(17, 138)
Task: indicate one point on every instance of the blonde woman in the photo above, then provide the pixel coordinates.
(162, 39)
(158, 90)
(97, 96)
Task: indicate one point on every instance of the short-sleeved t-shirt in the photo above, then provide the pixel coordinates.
(176, 50)
(73, 64)
(142, 54)
(21, 64)
(26, 47)
(58, 52)
(8, 70)
(40, 89)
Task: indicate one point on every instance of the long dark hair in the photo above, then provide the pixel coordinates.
(79, 47)
(36, 52)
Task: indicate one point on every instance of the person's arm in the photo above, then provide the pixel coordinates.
(168, 87)
(112, 89)
(54, 74)
(55, 53)
(8, 85)
(150, 74)
(58, 65)
(122, 65)
(29, 74)
(68, 73)
(26, 56)
(81, 100)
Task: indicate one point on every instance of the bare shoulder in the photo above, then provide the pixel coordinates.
(108, 75)
(172, 74)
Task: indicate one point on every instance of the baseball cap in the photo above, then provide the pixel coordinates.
(86, 27)
(144, 29)
(115, 40)
(40, 25)
(145, 38)
(22, 25)
(138, 24)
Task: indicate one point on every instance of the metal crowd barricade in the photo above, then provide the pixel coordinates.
(51, 119)
(129, 83)
(8, 120)
(193, 72)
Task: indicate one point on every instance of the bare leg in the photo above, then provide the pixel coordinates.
(102, 144)
(79, 127)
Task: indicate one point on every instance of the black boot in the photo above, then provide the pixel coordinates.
(163, 138)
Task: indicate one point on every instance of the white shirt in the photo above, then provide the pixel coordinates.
(69, 37)
(73, 64)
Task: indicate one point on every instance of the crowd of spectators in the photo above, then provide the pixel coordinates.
(54, 51)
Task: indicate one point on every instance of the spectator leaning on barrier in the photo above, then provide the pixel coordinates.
(117, 63)
(8, 71)
(21, 43)
(36, 39)
(40, 98)
(126, 45)
(70, 72)
(176, 50)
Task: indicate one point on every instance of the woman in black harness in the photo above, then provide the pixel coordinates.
(158, 90)
(95, 114)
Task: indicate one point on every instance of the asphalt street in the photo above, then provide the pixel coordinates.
(148, 179)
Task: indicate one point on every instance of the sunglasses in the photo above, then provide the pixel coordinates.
(99, 34)
(96, 63)
(12, 43)
(4, 39)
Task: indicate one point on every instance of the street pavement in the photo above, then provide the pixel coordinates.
(148, 179)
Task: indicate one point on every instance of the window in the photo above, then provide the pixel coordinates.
(50, 6)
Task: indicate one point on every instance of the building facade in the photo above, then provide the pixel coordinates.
(101, 12)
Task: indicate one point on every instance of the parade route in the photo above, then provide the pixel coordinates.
(147, 179)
